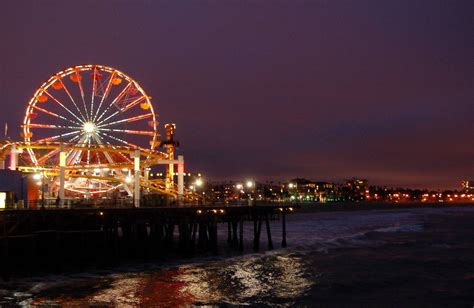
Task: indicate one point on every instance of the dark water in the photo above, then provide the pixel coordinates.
(409, 257)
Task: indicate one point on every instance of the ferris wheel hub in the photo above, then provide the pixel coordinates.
(89, 127)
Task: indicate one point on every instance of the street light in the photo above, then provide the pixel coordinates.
(239, 186)
(198, 182)
(40, 179)
(249, 184)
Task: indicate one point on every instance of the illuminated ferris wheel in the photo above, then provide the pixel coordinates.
(92, 107)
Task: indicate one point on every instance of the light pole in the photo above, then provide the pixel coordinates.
(40, 178)
(251, 186)
(197, 184)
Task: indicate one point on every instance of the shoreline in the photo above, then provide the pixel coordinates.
(361, 206)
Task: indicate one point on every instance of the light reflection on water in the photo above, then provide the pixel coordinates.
(253, 277)
(264, 278)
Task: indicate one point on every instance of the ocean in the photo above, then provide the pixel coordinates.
(365, 258)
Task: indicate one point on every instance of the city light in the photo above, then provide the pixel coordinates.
(239, 186)
(291, 185)
(198, 182)
(249, 184)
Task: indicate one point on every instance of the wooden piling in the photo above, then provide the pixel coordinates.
(283, 229)
(241, 235)
(269, 234)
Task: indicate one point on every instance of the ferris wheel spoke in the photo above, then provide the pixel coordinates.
(97, 154)
(43, 158)
(130, 105)
(88, 149)
(128, 131)
(116, 99)
(106, 93)
(133, 103)
(67, 109)
(74, 138)
(71, 156)
(77, 132)
(107, 155)
(34, 125)
(55, 115)
(81, 89)
(94, 88)
(122, 141)
(70, 97)
(128, 120)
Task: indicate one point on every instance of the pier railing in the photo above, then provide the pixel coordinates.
(122, 203)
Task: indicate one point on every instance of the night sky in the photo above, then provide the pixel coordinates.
(268, 89)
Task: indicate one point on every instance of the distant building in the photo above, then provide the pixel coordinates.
(355, 189)
(468, 186)
(300, 189)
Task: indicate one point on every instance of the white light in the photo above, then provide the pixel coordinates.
(89, 127)
(291, 185)
(97, 170)
(198, 182)
(128, 179)
(3, 197)
(249, 184)
(37, 176)
(239, 186)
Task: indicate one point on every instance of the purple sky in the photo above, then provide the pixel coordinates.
(273, 89)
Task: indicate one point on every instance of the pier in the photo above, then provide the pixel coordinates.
(50, 240)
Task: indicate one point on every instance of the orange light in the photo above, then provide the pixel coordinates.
(42, 98)
(116, 81)
(145, 106)
(57, 85)
(75, 77)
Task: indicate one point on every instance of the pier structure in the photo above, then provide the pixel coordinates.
(64, 240)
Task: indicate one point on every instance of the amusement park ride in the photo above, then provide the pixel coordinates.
(90, 131)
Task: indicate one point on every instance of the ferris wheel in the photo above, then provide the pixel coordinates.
(92, 107)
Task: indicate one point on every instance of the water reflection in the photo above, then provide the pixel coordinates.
(269, 278)
(248, 279)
